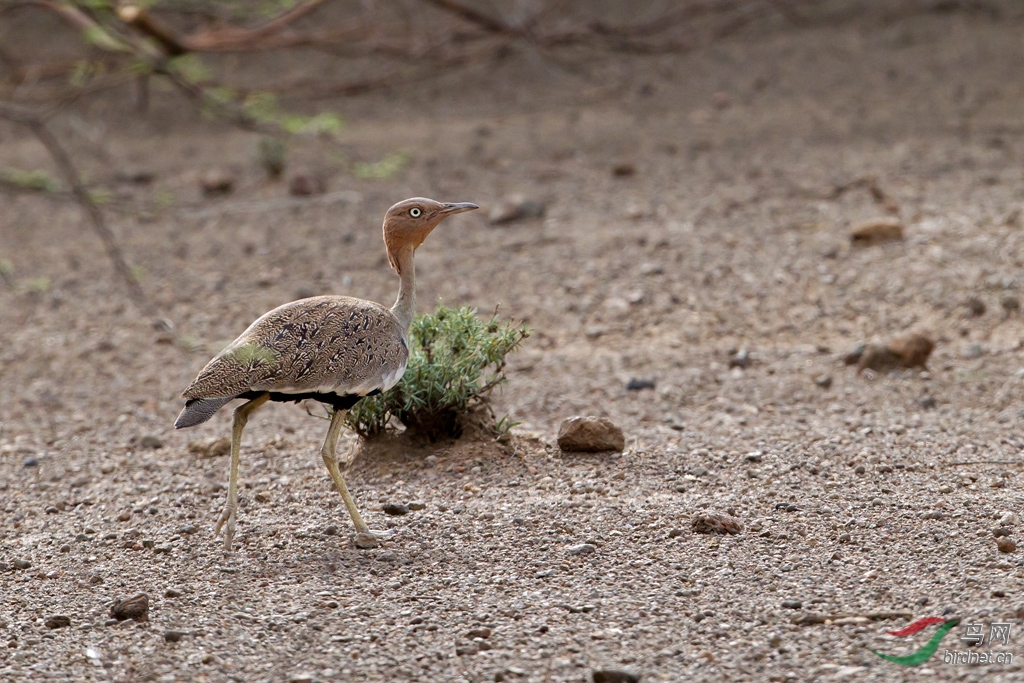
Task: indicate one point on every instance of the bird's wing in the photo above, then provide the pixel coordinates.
(321, 344)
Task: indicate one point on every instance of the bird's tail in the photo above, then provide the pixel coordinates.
(199, 410)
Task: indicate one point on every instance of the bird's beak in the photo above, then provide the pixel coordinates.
(452, 209)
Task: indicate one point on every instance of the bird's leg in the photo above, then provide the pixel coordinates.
(364, 539)
(242, 414)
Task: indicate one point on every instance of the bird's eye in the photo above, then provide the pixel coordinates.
(415, 212)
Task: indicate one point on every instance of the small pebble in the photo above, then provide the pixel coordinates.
(975, 307)
(514, 208)
(172, 636)
(304, 183)
(1001, 532)
(217, 182)
(974, 351)
(172, 593)
(581, 549)
(623, 170)
(58, 621)
(30, 462)
(124, 516)
(792, 604)
(416, 506)
(638, 384)
(21, 564)
(853, 356)
(740, 359)
(1006, 545)
(710, 523)
(396, 509)
(876, 231)
(615, 676)
(135, 607)
(152, 442)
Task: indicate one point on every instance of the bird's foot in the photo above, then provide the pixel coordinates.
(371, 539)
(227, 517)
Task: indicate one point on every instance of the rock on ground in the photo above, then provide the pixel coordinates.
(590, 435)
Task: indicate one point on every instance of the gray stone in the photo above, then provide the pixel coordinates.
(974, 351)
(581, 549)
(740, 359)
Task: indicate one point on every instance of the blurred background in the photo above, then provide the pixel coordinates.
(681, 176)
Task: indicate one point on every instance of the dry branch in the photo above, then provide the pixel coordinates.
(222, 38)
(36, 123)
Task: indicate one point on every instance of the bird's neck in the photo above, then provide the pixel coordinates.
(405, 307)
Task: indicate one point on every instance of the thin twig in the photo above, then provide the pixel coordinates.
(37, 124)
(99, 225)
(220, 39)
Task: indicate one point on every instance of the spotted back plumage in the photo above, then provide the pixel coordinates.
(325, 344)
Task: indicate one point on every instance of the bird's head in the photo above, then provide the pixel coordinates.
(407, 223)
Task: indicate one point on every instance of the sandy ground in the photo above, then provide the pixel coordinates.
(866, 501)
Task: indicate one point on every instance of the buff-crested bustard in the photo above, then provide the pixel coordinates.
(333, 349)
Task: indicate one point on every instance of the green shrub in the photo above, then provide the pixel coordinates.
(455, 359)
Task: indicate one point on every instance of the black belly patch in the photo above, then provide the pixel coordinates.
(337, 401)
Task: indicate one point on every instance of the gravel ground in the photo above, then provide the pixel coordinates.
(720, 269)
